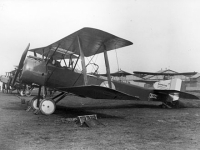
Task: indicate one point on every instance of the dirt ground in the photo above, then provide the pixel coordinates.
(127, 125)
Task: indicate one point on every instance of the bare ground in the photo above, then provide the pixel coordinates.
(127, 125)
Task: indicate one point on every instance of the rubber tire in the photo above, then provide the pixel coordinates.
(48, 107)
(33, 101)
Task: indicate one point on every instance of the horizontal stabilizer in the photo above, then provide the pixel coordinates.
(98, 92)
(181, 94)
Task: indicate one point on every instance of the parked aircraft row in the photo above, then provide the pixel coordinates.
(21, 88)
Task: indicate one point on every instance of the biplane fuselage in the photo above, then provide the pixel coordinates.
(37, 71)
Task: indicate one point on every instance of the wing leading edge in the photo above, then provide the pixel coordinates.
(98, 92)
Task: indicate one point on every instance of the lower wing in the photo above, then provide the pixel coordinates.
(98, 92)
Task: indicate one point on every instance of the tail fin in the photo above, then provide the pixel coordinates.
(173, 84)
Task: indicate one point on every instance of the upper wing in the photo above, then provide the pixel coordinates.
(92, 41)
(146, 81)
(181, 94)
(163, 73)
(118, 73)
(98, 92)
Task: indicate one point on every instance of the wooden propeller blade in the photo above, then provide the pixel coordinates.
(20, 66)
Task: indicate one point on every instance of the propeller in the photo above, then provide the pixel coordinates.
(20, 66)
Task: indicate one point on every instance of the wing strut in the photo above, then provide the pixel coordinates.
(107, 68)
(43, 53)
(82, 62)
(53, 53)
(35, 54)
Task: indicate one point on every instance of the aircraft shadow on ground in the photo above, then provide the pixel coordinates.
(70, 112)
(74, 112)
(120, 106)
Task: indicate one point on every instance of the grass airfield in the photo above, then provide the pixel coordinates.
(126, 125)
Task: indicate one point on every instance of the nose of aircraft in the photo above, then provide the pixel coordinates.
(33, 71)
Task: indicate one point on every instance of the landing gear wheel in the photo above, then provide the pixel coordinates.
(22, 93)
(47, 107)
(33, 102)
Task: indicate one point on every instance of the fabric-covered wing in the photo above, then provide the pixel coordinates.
(164, 73)
(146, 81)
(181, 94)
(92, 41)
(49, 51)
(98, 92)
(118, 73)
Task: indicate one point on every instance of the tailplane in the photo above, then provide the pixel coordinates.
(173, 84)
(169, 92)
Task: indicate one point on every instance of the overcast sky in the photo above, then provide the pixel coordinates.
(165, 33)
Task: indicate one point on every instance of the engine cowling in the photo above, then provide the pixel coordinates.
(34, 71)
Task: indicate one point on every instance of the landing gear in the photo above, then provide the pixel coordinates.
(33, 102)
(174, 104)
(22, 92)
(165, 105)
(47, 107)
(28, 93)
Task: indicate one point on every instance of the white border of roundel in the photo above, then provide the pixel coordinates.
(105, 84)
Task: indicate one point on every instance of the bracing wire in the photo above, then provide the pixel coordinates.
(117, 59)
(93, 68)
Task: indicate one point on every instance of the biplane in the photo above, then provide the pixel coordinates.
(44, 68)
